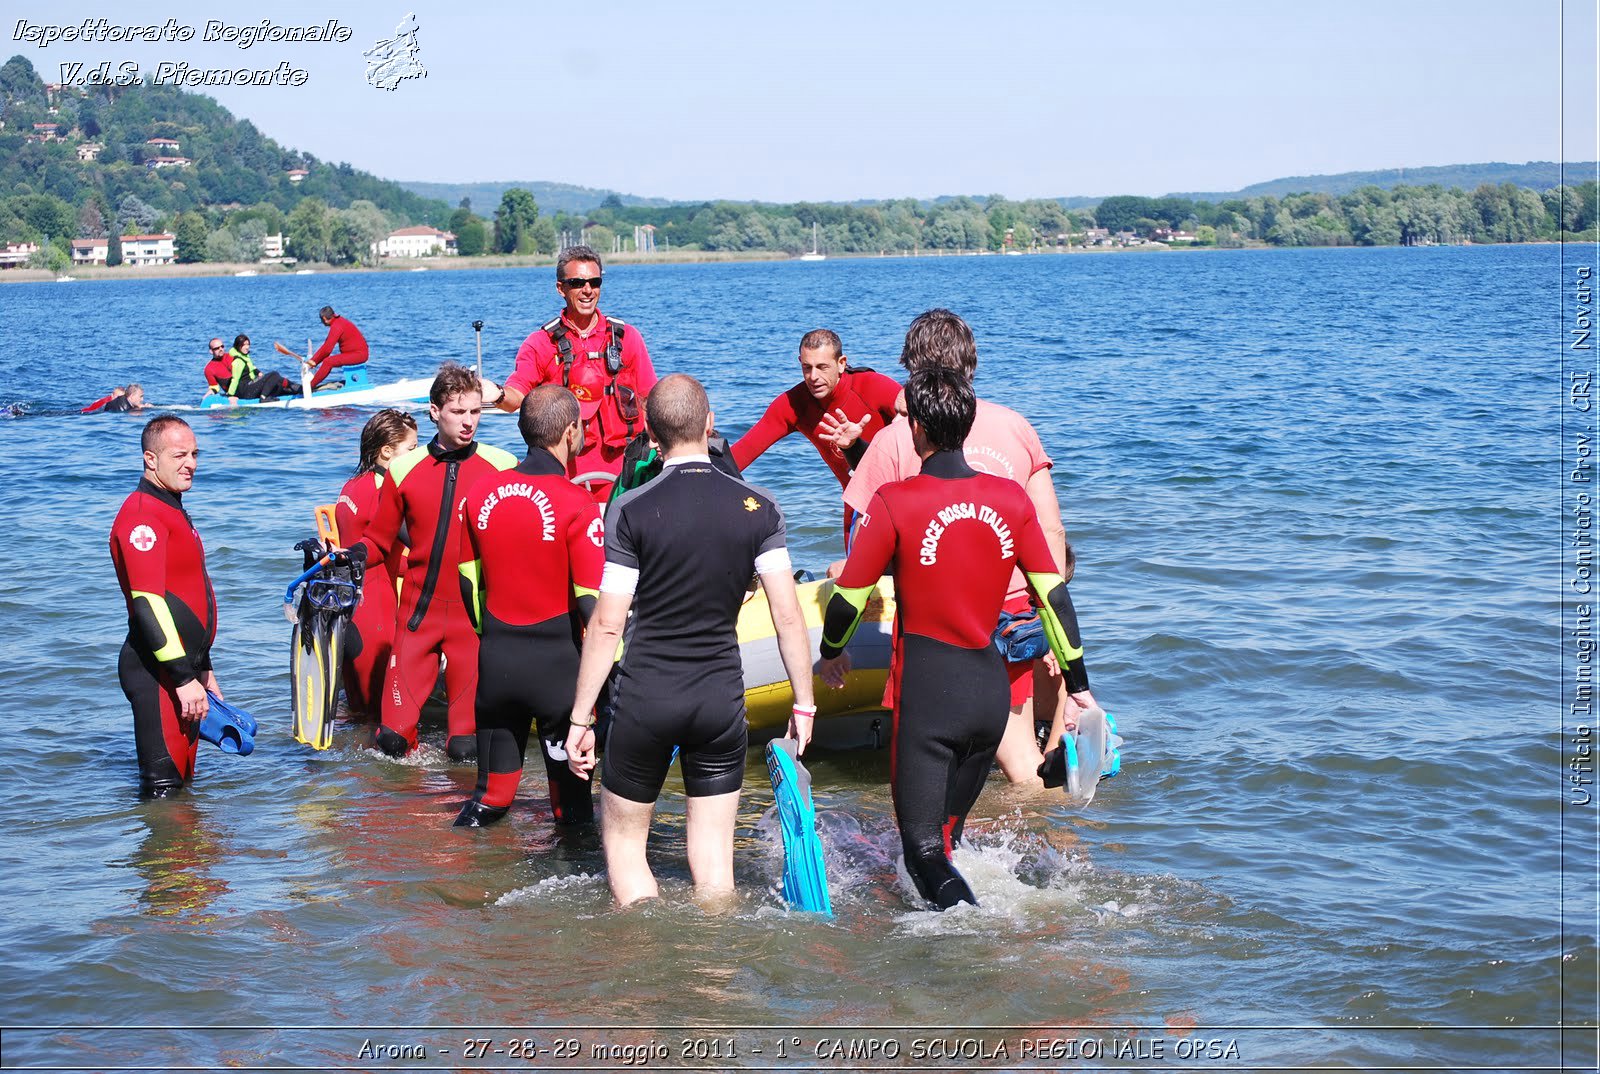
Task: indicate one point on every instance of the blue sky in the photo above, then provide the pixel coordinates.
(872, 100)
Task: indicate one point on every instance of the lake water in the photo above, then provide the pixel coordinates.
(1316, 499)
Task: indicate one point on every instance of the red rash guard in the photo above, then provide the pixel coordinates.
(219, 371)
(858, 393)
(532, 544)
(352, 349)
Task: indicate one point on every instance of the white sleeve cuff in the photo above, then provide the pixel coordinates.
(619, 579)
(773, 561)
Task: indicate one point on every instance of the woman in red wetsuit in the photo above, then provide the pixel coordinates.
(370, 636)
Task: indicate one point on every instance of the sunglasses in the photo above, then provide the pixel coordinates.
(575, 282)
(216, 348)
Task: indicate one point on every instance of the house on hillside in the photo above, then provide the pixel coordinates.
(45, 132)
(420, 241)
(297, 174)
(168, 162)
(90, 251)
(89, 151)
(148, 249)
(167, 146)
(1097, 236)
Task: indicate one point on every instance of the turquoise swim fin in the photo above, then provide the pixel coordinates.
(805, 872)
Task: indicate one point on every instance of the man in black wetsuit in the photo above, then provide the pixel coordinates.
(680, 550)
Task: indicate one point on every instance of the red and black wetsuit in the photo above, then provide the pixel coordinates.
(172, 621)
(369, 638)
(423, 492)
(952, 537)
(859, 393)
(352, 349)
(532, 549)
(218, 372)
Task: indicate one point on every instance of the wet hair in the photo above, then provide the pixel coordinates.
(156, 428)
(240, 340)
(939, 337)
(384, 429)
(942, 402)
(327, 311)
(546, 412)
(453, 379)
(822, 337)
(676, 410)
(134, 387)
(575, 253)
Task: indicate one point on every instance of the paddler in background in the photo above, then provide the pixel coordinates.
(600, 360)
(952, 537)
(245, 381)
(836, 408)
(343, 334)
(370, 637)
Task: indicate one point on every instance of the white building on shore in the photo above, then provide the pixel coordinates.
(420, 241)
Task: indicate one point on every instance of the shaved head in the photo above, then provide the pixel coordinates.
(676, 411)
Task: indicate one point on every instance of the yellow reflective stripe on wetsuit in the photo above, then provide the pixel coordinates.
(472, 591)
(170, 645)
(843, 615)
(1060, 621)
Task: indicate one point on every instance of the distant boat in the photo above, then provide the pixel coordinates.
(814, 255)
(246, 272)
(304, 272)
(65, 279)
(420, 268)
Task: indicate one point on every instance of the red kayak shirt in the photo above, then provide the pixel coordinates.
(858, 394)
(352, 344)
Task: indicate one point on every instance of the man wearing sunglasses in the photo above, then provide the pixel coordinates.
(219, 369)
(599, 359)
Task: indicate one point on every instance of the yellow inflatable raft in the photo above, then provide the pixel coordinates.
(767, 696)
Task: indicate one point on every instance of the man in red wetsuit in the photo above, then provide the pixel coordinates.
(952, 536)
(423, 491)
(838, 409)
(600, 359)
(1001, 442)
(342, 334)
(532, 549)
(165, 664)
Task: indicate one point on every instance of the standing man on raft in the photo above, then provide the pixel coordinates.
(680, 550)
(423, 491)
(601, 360)
(342, 333)
(532, 548)
(165, 664)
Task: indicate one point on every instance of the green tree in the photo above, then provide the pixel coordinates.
(472, 237)
(20, 82)
(309, 230)
(191, 237)
(516, 216)
(114, 248)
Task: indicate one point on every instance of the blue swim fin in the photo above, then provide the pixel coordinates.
(228, 727)
(805, 873)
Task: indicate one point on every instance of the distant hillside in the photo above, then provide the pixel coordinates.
(1535, 175)
(174, 151)
(552, 197)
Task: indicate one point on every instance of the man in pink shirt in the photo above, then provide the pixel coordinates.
(1004, 444)
(599, 359)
